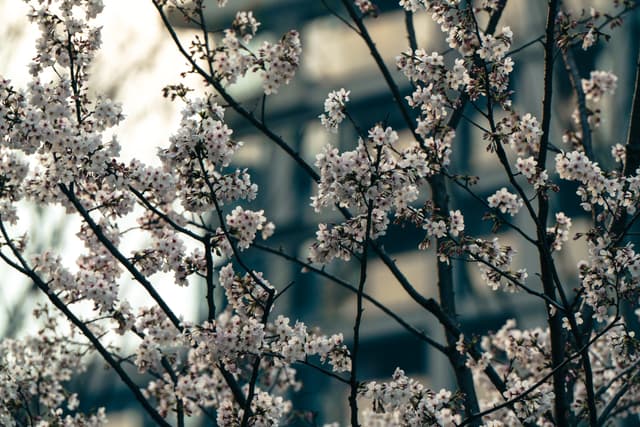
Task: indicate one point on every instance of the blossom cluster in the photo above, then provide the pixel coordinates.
(522, 133)
(239, 361)
(281, 59)
(528, 167)
(404, 401)
(245, 223)
(199, 155)
(34, 372)
(505, 201)
(520, 356)
(53, 152)
(334, 107)
(276, 62)
(13, 171)
(374, 179)
(599, 84)
(494, 262)
(597, 188)
(366, 6)
(560, 232)
(232, 343)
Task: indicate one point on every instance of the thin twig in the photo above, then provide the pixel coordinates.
(375, 54)
(501, 217)
(561, 408)
(574, 78)
(411, 31)
(353, 377)
(421, 335)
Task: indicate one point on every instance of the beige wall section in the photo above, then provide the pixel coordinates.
(339, 53)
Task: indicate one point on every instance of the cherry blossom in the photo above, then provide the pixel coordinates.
(194, 220)
(506, 202)
(334, 107)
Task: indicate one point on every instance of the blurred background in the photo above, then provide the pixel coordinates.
(138, 59)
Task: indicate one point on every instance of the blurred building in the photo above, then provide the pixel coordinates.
(336, 57)
(139, 59)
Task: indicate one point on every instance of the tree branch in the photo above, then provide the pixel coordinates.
(421, 335)
(561, 405)
(542, 380)
(95, 342)
(576, 83)
(115, 252)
